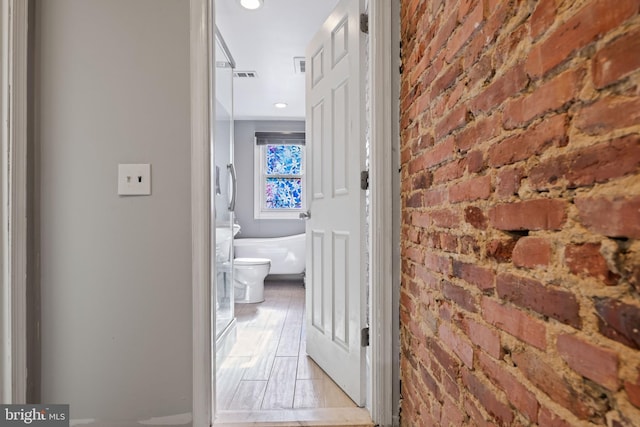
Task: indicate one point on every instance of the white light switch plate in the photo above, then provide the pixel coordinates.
(134, 179)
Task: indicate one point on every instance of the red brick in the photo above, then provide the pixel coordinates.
(608, 114)
(508, 84)
(447, 242)
(441, 264)
(475, 161)
(464, 8)
(594, 164)
(439, 153)
(481, 277)
(450, 171)
(619, 321)
(450, 415)
(613, 61)
(414, 200)
(552, 382)
(507, 47)
(487, 398)
(427, 277)
(499, 11)
(549, 419)
(549, 96)
(542, 17)
(475, 216)
(463, 33)
(532, 141)
(508, 182)
(532, 294)
(515, 322)
(435, 197)
(469, 246)
(532, 252)
(450, 387)
(444, 32)
(541, 214)
(421, 180)
(611, 216)
(471, 189)
(456, 344)
(450, 365)
(633, 390)
(474, 414)
(594, 19)
(421, 219)
(590, 361)
(421, 143)
(516, 392)
(445, 81)
(430, 383)
(482, 336)
(501, 250)
(445, 218)
(454, 120)
(478, 70)
(481, 130)
(586, 259)
(460, 296)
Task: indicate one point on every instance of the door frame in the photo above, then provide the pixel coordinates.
(383, 259)
(13, 191)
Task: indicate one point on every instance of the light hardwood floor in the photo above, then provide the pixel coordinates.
(268, 368)
(268, 380)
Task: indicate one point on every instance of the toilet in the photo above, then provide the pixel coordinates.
(248, 278)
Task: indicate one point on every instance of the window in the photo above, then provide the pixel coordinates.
(279, 175)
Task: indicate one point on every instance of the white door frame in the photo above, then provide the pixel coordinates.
(13, 190)
(382, 256)
(202, 240)
(13, 94)
(381, 280)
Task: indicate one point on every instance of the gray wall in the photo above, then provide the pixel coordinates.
(113, 87)
(244, 143)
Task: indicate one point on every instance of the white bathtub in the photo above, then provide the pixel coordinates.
(287, 254)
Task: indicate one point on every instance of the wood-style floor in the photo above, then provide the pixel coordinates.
(268, 375)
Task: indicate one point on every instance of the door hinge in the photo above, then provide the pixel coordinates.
(364, 180)
(364, 23)
(364, 337)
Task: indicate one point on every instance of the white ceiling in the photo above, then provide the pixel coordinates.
(265, 41)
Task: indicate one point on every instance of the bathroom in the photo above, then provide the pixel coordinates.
(260, 337)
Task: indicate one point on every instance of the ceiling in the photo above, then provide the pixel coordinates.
(266, 41)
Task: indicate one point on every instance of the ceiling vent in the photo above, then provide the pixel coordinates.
(245, 74)
(299, 64)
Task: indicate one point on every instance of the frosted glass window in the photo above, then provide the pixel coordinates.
(279, 184)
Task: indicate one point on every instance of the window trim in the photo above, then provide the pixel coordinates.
(259, 212)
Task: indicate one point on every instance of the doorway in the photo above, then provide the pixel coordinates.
(383, 389)
(268, 367)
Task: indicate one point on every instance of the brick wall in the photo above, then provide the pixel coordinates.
(520, 146)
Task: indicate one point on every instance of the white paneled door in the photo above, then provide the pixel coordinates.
(335, 226)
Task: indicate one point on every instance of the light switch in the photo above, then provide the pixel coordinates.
(134, 179)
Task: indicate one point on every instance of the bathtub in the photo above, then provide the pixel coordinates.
(287, 254)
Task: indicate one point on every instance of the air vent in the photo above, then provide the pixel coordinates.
(245, 74)
(299, 64)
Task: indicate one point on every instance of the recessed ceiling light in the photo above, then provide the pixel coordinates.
(251, 4)
(280, 105)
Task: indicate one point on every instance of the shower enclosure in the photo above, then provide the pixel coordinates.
(224, 188)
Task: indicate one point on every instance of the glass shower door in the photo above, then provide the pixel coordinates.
(224, 192)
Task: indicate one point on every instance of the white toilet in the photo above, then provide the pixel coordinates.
(248, 278)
